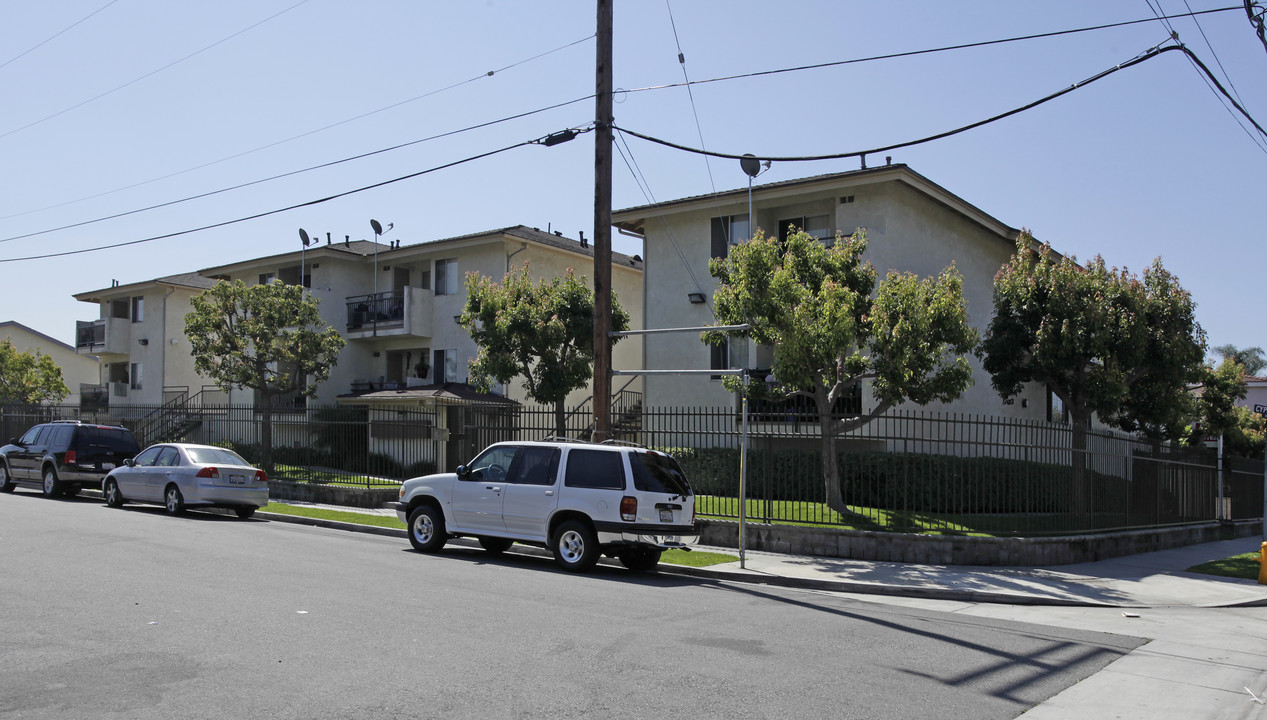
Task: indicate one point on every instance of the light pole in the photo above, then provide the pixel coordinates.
(303, 237)
(378, 231)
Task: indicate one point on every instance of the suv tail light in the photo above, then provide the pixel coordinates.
(629, 508)
(71, 457)
(209, 472)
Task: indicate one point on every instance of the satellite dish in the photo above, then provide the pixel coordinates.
(378, 229)
(303, 236)
(750, 164)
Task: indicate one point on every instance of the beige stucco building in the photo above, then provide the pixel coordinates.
(395, 304)
(912, 225)
(77, 370)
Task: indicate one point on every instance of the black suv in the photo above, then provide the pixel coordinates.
(61, 457)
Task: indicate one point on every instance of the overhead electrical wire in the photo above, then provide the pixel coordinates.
(481, 76)
(928, 51)
(681, 58)
(1174, 34)
(1148, 55)
(151, 73)
(538, 141)
(239, 186)
(47, 40)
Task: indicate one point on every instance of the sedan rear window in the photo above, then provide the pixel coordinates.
(214, 456)
(658, 473)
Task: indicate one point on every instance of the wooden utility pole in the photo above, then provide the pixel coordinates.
(603, 224)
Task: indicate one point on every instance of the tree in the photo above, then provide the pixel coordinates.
(267, 337)
(28, 378)
(815, 305)
(542, 332)
(1087, 333)
(1252, 358)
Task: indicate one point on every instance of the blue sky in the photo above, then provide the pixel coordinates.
(146, 102)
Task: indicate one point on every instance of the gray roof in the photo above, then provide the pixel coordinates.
(555, 240)
(189, 280)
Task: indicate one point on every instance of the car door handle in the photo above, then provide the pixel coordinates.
(549, 492)
(494, 488)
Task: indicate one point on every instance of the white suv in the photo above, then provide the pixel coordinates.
(579, 499)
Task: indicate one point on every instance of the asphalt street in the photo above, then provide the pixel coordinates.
(134, 614)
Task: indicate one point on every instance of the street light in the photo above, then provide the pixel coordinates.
(378, 231)
(303, 237)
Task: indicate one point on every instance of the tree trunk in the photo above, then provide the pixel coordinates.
(827, 445)
(266, 434)
(1083, 507)
(560, 419)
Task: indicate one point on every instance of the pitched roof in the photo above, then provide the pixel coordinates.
(632, 218)
(555, 240)
(37, 333)
(189, 280)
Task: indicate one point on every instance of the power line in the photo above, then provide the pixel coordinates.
(57, 35)
(681, 58)
(537, 141)
(1152, 53)
(481, 76)
(292, 172)
(911, 53)
(152, 72)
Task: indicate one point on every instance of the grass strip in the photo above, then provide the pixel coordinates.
(674, 557)
(1238, 566)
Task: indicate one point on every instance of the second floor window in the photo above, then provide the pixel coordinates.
(727, 231)
(138, 309)
(447, 277)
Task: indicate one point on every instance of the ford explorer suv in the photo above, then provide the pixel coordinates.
(63, 456)
(581, 500)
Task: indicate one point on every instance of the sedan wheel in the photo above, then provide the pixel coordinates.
(173, 500)
(52, 488)
(114, 498)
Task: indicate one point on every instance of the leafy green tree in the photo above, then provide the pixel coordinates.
(832, 327)
(1252, 358)
(1219, 415)
(1088, 334)
(28, 378)
(269, 338)
(542, 332)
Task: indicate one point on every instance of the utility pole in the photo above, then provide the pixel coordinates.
(603, 223)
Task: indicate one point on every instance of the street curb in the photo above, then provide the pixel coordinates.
(743, 576)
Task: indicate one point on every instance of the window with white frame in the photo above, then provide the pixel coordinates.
(138, 308)
(731, 354)
(135, 376)
(446, 277)
(727, 231)
(816, 226)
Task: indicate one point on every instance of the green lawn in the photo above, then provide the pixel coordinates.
(673, 557)
(790, 512)
(299, 473)
(1238, 566)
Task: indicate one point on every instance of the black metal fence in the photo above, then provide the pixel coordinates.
(906, 471)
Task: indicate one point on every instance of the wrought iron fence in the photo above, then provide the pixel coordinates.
(905, 471)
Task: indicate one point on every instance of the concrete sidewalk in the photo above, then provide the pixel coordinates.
(1156, 579)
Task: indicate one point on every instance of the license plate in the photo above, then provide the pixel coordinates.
(666, 515)
(237, 479)
(107, 466)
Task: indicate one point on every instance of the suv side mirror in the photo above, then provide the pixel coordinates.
(463, 472)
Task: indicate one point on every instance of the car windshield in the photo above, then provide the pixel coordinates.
(214, 456)
(658, 473)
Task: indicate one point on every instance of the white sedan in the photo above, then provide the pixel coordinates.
(181, 475)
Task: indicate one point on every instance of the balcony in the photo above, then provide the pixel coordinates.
(107, 336)
(399, 313)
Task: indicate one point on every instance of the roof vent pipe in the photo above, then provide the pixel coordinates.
(347, 240)
(327, 238)
(581, 233)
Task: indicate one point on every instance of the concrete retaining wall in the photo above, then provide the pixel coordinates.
(953, 550)
(332, 494)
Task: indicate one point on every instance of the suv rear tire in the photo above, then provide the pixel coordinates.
(6, 482)
(640, 559)
(52, 486)
(575, 546)
(426, 529)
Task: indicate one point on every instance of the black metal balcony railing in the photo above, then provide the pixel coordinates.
(90, 334)
(385, 309)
